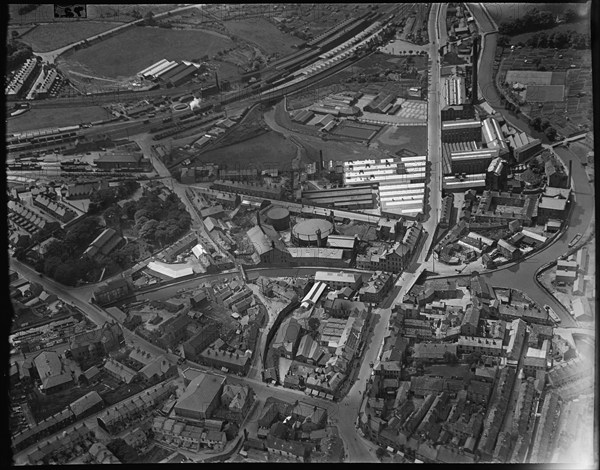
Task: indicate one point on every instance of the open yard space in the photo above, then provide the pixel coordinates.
(412, 138)
(41, 118)
(127, 53)
(51, 36)
(264, 34)
(269, 150)
(355, 130)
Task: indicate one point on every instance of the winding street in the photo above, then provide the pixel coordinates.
(343, 414)
(522, 275)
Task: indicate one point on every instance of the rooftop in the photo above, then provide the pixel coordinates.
(200, 392)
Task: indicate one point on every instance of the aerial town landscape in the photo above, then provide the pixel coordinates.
(291, 232)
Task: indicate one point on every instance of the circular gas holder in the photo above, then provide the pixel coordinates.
(180, 106)
(308, 232)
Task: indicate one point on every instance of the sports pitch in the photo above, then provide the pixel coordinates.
(534, 77)
(544, 93)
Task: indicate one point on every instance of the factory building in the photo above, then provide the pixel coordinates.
(472, 161)
(493, 136)
(356, 197)
(453, 91)
(523, 146)
(461, 130)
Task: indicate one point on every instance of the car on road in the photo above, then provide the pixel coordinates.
(574, 240)
(555, 318)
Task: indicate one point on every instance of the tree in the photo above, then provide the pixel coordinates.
(551, 133)
(536, 123)
(570, 16)
(450, 357)
(473, 358)
(313, 323)
(149, 19)
(503, 41)
(380, 452)
(545, 124)
(129, 209)
(123, 451)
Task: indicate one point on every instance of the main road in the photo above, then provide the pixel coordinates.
(434, 143)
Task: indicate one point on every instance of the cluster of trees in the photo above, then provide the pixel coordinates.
(103, 198)
(157, 222)
(123, 451)
(28, 8)
(559, 40)
(543, 126)
(62, 260)
(533, 20)
(17, 53)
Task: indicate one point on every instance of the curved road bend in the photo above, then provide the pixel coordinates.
(485, 70)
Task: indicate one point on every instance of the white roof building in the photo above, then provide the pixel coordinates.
(171, 270)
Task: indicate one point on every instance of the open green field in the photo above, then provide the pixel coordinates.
(50, 36)
(264, 34)
(136, 48)
(40, 118)
(268, 150)
(121, 13)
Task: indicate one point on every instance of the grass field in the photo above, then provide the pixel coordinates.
(533, 77)
(538, 94)
(50, 36)
(121, 13)
(131, 51)
(262, 33)
(38, 118)
(265, 151)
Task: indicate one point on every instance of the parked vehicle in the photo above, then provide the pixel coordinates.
(555, 318)
(575, 239)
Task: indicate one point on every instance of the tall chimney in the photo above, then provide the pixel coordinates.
(258, 218)
(569, 175)
(321, 167)
(319, 238)
(474, 84)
